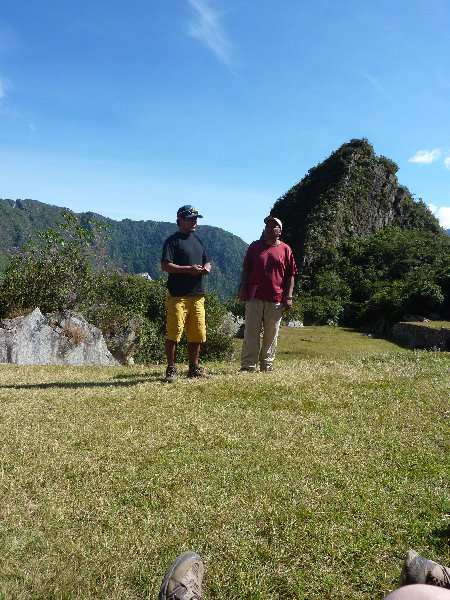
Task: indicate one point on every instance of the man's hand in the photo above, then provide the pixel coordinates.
(287, 304)
(242, 294)
(196, 270)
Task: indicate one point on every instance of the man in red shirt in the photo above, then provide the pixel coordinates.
(267, 283)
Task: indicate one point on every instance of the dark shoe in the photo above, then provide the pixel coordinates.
(171, 374)
(266, 369)
(417, 569)
(183, 580)
(247, 369)
(197, 371)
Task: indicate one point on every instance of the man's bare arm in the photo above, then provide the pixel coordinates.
(206, 270)
(169, 267)
(242, 294)
(288, 293)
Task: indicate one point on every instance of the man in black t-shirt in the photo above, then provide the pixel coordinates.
(186, 260)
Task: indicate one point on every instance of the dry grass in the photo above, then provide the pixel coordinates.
(74, 334)
(310, 482)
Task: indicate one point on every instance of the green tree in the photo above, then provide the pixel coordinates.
(54, 273)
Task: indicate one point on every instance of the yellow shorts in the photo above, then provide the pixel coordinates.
(189, 312)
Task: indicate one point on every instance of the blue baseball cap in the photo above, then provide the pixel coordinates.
(188, 212)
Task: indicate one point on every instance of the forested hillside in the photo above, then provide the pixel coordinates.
(351, 193)
(366, 250)
(134, 246)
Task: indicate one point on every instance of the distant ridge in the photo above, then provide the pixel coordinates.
(135, 246)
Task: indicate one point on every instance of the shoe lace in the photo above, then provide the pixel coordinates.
(179, 594)
(445, 573)
(437, 581)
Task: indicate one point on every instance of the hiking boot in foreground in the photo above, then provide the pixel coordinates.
(197, 371)
(171, 374)
(417, 569)
(183, 580)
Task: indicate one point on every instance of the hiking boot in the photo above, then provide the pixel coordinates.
(247, 370)
(266, 368)
(417, 569)
(183, 580)
(197, 371)
(171, 374)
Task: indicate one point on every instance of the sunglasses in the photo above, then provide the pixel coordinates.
(186, 213)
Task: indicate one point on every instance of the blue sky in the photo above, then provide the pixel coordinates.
(133, 108)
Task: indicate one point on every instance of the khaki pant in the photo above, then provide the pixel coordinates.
(257, 314)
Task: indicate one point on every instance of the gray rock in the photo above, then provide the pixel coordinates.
(230, 325)
(127, 341)
(240, 332)
(421, 336)
(145, 275)
(295, 323)
(57, 339)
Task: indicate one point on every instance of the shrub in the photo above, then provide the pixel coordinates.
(296, 313)
(58, 274)
(402, 297)
(218, 345)
(122, 297)
(235, 306)
(55, 273)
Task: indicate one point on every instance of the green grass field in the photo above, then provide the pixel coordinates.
(310, 482)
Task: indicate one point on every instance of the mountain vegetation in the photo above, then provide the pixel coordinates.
(133, 246)
(366, 250)
(58, 272)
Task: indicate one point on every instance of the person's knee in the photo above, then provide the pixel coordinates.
(419, 591)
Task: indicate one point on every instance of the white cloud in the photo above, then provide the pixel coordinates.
(32, 127)
(426, 156)
(447, 162)
(206, 28)
(5, 87)
(376, 83)
(443, 214)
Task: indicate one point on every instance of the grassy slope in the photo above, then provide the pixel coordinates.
(310, 482)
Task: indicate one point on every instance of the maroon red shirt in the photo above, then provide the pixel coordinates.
(269, 268)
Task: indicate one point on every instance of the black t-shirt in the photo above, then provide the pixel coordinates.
(185, 249)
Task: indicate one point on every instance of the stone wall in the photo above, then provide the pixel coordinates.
(421, 336)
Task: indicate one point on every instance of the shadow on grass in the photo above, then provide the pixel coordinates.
(129, 380)
(443, 534)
